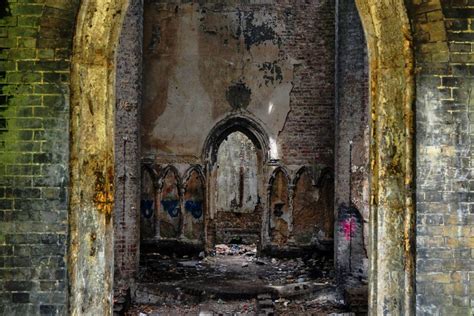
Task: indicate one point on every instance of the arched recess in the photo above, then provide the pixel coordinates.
(169, 213)
(279, 216)
(91, 253)
(312, 207)
(194, 201)
(148, 203)
(392, 213)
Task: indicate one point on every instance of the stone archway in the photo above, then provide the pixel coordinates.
(392, 215)
(90, 257)
(217, 221)
(92, 197)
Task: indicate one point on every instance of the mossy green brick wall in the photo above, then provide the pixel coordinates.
(35, 49)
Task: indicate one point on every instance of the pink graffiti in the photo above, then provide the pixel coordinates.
(349, 226)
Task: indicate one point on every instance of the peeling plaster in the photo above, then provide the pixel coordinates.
(214, 54)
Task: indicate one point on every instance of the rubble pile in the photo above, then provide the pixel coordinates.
(232, 280)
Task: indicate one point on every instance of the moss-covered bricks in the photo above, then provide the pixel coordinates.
(35, 48)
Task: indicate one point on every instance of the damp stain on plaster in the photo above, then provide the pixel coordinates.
(197, 64)
(239, 95)
(272, 73)
(256, 33)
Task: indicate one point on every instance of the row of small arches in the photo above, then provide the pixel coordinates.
(318, 179)
(318, 176)
(172, 204)
(158, 177)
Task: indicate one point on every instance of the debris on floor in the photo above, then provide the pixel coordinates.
(233, 280)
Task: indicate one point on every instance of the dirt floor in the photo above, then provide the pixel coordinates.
(234, 281)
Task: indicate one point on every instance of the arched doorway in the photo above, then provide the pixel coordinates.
(92, 157)
(236, 152)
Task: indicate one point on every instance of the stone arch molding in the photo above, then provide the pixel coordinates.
(391, 274)
(392, 212)
(236, 122)
(90, 257)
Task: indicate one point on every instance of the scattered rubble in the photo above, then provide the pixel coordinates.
(233, 280)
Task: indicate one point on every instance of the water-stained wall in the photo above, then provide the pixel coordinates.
(279, 208)
(269, 61)
(313, 213)
(203, 61)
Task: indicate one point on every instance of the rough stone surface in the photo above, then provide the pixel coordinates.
(391, 244)
(92, 162)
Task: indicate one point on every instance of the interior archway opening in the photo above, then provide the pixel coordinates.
(238, 193)
(188, 124)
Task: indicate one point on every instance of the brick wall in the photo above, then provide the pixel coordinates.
(35, 46)
(444, 34)
(352, 122)
(308, 134)
(127, 141)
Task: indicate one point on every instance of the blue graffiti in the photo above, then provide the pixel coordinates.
(146, 206)
(194, 207)
(171, 206)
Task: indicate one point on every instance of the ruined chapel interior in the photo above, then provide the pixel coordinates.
(257, 157)
(239, 153)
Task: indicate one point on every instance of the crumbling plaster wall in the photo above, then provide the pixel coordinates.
(206, 61)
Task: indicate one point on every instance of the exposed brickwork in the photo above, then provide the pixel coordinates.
(445, 209)
(352, 124)
(127, 172)
(35, 46)
(307, 137)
